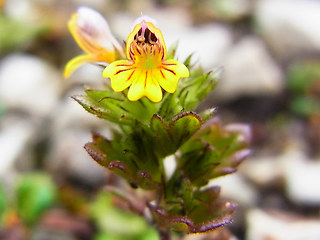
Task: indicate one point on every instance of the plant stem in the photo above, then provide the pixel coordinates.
(164, 235)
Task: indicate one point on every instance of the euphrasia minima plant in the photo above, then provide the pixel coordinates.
(149, 101)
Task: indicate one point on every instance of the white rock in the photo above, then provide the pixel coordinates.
(70, 114)
(14, 138)
(96, 4)
(234, 187)
(29, 83)
(68, 156)
(293, 168)
(17, 8)
(262, 171)
(208, 44)
(249, 70)
(290, 27)
(170, 166)
(302, 176)
(232, 9)
(31, 11)
(88, 74)
(262, 226)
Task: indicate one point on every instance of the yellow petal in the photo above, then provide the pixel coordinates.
(142, 23)
(153, 90)
(144, 85)
(93, 35)
(75, 63)
(170, 73)
(121, 74)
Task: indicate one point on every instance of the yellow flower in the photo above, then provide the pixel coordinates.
(147, 69)
(92, 34)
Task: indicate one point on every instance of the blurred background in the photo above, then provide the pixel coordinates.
(268, 52)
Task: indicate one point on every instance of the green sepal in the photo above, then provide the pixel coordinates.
(170, 135)
(115, 107)
(200, 210)
(194, 89)
(124, 158)
(214, 151)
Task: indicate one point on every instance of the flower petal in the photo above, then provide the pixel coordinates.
(142, 23)
(170, 73)
(121, 74)
(75, 63)
(93, 35)
(144, 85)
(153, 90)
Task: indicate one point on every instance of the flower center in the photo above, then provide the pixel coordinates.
(146, 50)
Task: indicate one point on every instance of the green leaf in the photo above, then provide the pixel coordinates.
(170, 106)
(127, 156)
(35, 193)
(183, 126)
(193, 91)
(115, 107)
(168, 136)
(214, 151)
(162, 136)
(201, 222)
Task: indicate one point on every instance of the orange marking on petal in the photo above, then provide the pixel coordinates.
(123, 70)
(169, 64)
(169, 70)
(130, 75)
(162, 74)
(145, 80)
(123, 65)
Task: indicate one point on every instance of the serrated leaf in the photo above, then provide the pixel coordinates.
(170, 106)
(115, 107)
(145, 181)
(162, 137)
(183, 126)
(197, 90)
(187, 224)
(110, 112)
(214, 151)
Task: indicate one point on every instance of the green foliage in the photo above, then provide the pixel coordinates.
(2, 203)
(145, 133)
(15, 34)
(304, 84)
(35, 193)
(214, 151)
(116, 108)
(118, 224)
